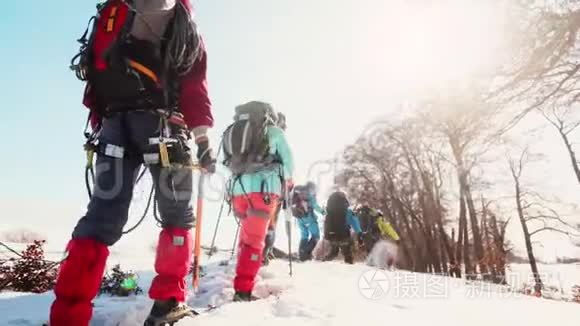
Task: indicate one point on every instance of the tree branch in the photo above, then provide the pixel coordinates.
(548, 228)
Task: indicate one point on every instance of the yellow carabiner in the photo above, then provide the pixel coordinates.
(195, 166)
(163, 155)
(90, 156)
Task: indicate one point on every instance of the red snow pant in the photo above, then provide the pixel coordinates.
(255, 214)
(82, 271)
(78, 282)
(80, 275)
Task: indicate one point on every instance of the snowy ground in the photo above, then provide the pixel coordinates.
(323, 294)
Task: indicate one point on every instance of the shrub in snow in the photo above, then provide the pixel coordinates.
(553, 293)
(4, 274)
(120, 283)
(548, 292)
(528, 289)
(30, 272)
(576, 293)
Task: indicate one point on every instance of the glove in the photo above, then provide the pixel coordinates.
(177, 120)
(205, 156)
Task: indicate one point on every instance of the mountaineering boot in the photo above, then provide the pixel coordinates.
(302, 250)
(168, 312)
(244, 297)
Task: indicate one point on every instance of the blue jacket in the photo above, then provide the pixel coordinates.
(353, 221)
(314, 207)
(250, 183)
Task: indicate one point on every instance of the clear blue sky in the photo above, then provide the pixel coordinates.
(40, 127)
(257, 50)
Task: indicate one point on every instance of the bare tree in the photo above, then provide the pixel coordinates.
(534, 215)
(496, 245)
(404, 169)
(544, 66)
(516, 168)
(465, 123)
(392, 170)
(565, 121)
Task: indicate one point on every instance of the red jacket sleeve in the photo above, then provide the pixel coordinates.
(194, 101)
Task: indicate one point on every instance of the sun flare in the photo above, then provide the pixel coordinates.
(434, 44)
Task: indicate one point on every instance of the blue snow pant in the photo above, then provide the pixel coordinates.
(309, 236)
(123, 143)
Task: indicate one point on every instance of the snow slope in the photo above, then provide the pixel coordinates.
(324, 294)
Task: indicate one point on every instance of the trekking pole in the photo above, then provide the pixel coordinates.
(197, 245)
(288, 222)
(235, 240)
(215, 231)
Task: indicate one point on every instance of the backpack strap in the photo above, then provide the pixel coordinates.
(237, 178)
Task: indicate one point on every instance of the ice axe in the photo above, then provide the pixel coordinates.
(198, 222)
(288, 222)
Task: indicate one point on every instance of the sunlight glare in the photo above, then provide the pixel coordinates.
(448, 41)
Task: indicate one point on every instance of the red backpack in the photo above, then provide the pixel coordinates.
(120, 70)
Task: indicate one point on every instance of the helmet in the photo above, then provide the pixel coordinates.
(281, 121)
(364, 209)
(271, 115)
